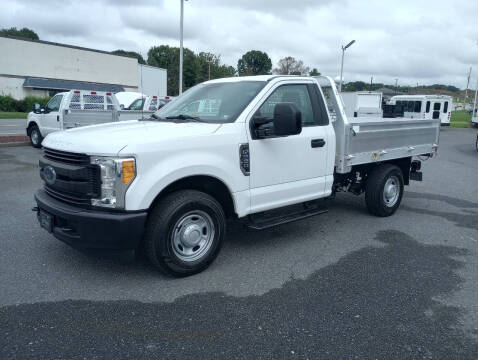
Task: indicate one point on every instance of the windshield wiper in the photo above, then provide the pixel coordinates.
(185, 117)
(154, 116)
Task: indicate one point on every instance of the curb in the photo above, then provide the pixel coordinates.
(14, 140)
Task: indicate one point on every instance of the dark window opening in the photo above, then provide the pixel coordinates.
(436, 106)
(445, 107)
(428, 106)
(418, 106)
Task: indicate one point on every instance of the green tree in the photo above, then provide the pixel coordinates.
(291, 66)
(254, 62)
(130, 54)
(314, 72)
(167, 57)
(208, 62)
(22, 33)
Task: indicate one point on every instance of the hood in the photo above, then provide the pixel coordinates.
(110, 138)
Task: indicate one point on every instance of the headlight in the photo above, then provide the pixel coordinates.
(116, 176)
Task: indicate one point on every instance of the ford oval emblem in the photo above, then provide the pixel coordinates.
(49, 174)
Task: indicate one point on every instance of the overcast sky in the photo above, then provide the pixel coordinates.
(412, 40)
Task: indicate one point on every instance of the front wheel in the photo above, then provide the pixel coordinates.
(384, 190)
(185, 232)
(35, 136)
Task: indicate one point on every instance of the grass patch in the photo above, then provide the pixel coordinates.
(460, 119)
(12, 115)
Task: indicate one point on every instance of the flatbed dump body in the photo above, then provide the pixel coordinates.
(362, 140)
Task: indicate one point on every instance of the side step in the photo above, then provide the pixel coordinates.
(265, 221)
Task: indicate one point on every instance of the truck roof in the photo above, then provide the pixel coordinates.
(256, 78)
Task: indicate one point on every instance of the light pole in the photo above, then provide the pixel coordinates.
(181, 48)
(208, 62)
(342, 66)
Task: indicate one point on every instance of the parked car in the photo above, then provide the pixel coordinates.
(262, 149)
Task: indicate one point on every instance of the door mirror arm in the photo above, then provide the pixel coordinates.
(262, 127)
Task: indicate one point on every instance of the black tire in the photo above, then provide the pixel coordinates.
(35, 136)
(165, 222)
(375, 196)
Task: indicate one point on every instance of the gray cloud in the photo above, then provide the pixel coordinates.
(415, 41)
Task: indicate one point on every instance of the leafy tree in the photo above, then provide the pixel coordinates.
(254, 62)
(130, 54)
(314, 72)
(167, 57)
(212, 62)
(22, 33)
(291, 66)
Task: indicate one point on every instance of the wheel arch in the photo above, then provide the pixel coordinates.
(206, 183)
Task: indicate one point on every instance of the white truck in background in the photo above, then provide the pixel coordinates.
(77, 108)
(425, 106)
(362, 104)
(263, 149)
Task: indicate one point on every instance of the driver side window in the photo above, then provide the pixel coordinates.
(298, 94)
(54, 103)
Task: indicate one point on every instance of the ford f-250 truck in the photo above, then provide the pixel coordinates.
(263, 149)
(77, 108)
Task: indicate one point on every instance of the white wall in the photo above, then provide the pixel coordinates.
(37, 59)
(154, 80)
(14, 87)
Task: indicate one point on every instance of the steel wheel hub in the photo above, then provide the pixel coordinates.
(391, 191)
(193, 235)
(35, 137)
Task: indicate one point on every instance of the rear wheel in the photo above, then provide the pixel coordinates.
(35, 136)
(185, 232)
(384, 190)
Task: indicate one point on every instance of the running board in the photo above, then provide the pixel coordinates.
(258, 222)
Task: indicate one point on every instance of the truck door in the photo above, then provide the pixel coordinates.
(51, 116)
(291, 169)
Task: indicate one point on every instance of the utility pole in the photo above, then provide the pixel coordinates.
(181, 48)
(208, 62)
(371, 83)
(474, 102)
(396, 85)
(467, 84)
(342, 66)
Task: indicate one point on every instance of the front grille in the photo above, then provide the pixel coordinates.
(66, 157)
(77, 181)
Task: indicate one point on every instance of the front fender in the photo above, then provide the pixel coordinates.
(153, 176)
(34, 119)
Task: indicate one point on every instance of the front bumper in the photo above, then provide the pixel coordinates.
(90, 229)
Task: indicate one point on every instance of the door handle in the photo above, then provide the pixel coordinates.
(315, 143)
(58, 118)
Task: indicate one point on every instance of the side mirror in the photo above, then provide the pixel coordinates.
(37, 108)
(287, 119)
(121, 106)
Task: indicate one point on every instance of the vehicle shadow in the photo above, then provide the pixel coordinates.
(377, 302)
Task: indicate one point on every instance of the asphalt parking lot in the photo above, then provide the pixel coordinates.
(343, 285)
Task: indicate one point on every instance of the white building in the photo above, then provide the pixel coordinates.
(35, 67)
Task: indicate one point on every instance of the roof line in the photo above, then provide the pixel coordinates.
(64, 45)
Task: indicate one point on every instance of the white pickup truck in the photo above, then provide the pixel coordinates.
(80, 108)
(263, 149)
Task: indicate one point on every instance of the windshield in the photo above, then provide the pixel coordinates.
(217, 102)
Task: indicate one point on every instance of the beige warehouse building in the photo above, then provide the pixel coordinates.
(35, 67)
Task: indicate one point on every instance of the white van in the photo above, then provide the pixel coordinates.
(425, 107)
